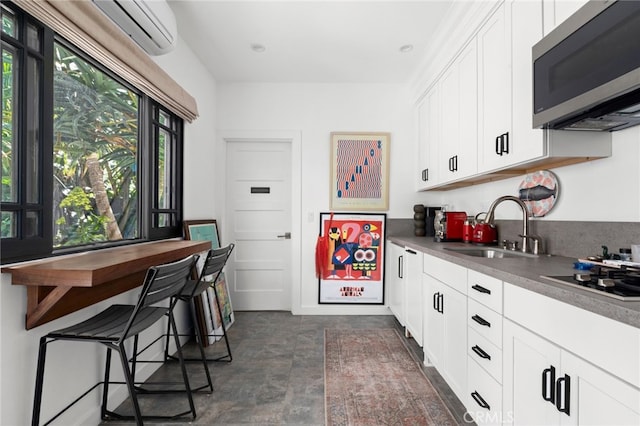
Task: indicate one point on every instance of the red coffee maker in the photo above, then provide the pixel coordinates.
(449, 226)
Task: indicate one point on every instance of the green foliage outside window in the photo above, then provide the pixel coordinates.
(95, 154)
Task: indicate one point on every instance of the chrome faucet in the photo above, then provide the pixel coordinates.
(525, 222)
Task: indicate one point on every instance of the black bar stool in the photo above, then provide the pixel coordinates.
(211, 270)
(113, 326)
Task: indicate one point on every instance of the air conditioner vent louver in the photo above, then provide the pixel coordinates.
(150, 23)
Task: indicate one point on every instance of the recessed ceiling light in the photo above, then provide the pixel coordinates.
(406, 48)
(259, 48)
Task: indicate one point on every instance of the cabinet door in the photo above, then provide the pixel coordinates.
(467, 161)
(598, 398)
(531, 366)
(449, 145)
(395, 281)
(494, 70)
(428, 139)
(526, 143)
(454, 307)
(413, 294)
(433, 321)
(459, 112)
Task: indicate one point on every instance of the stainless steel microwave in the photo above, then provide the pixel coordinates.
(586, 72)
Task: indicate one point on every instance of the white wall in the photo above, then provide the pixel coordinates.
(84, 363)
(315, 110)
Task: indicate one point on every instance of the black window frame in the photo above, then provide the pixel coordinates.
(20, 248)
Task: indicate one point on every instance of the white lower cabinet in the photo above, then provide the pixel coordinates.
(545, 384)
(395, 280)
(484, 397)
(445, 333)
(413, 294)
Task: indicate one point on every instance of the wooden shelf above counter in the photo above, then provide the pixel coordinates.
(59, 286)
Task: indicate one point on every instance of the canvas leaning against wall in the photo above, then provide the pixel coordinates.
(354, 271)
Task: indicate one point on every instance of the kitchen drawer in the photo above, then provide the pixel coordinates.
(485, 353)
(484, 396)
(453, 275)
(485, 289)
(485, 322)
(608, 344)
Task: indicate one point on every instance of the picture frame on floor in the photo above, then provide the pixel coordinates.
(211, 320)
(355, 258)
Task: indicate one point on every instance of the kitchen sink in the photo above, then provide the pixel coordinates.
(489, 252)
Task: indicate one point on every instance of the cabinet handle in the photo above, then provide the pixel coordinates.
(502, 144)
(435, 302)
(548, 379)
(481, 321)
(479, 400)
(481, 289)
(563, 398)
(482, 354)
(411, 251)
(400, 267)
(425, 175)
(441, 303)
(455, 163)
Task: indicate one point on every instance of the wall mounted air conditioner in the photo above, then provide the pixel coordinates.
(150, 23)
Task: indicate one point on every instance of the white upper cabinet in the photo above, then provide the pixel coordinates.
(428, 139)
(489, 115)
(556, 11)
(459, 111)
(494, 73)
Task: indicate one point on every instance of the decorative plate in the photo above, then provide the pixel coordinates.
(539, 191)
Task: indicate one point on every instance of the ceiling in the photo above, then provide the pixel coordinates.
(353, 41)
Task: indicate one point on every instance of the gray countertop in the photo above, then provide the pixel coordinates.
(525, 273)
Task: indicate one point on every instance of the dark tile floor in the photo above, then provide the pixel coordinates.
(277, 373)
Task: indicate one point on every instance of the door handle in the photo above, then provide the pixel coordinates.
(286, 236)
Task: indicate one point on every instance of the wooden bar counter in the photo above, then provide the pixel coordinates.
(59, 286)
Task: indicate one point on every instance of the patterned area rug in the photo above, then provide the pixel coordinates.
(371, 379)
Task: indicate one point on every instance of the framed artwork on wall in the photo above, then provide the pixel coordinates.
(359, 171)
(355, 268)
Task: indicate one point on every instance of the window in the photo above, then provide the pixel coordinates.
(87, 160)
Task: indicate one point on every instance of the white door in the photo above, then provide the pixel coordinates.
(258, 212)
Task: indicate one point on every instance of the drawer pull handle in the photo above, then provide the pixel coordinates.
(481, 353)
(548, 379)
(481, 321)
(481, 289)
(479, 400)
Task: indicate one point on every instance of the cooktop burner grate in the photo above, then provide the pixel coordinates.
(611, 283)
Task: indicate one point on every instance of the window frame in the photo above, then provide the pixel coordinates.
(19, 248)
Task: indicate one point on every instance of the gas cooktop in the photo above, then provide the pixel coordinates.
(621, 284)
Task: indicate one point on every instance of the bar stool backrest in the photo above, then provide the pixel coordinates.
(162, 282)
(213, 265)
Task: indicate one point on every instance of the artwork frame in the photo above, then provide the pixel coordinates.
(355, 241)
(359, 177)
(202, 230)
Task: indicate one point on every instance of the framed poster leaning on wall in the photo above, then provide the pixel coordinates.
(355, 267)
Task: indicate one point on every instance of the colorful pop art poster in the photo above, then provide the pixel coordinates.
(359, 171)
(354, 272)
